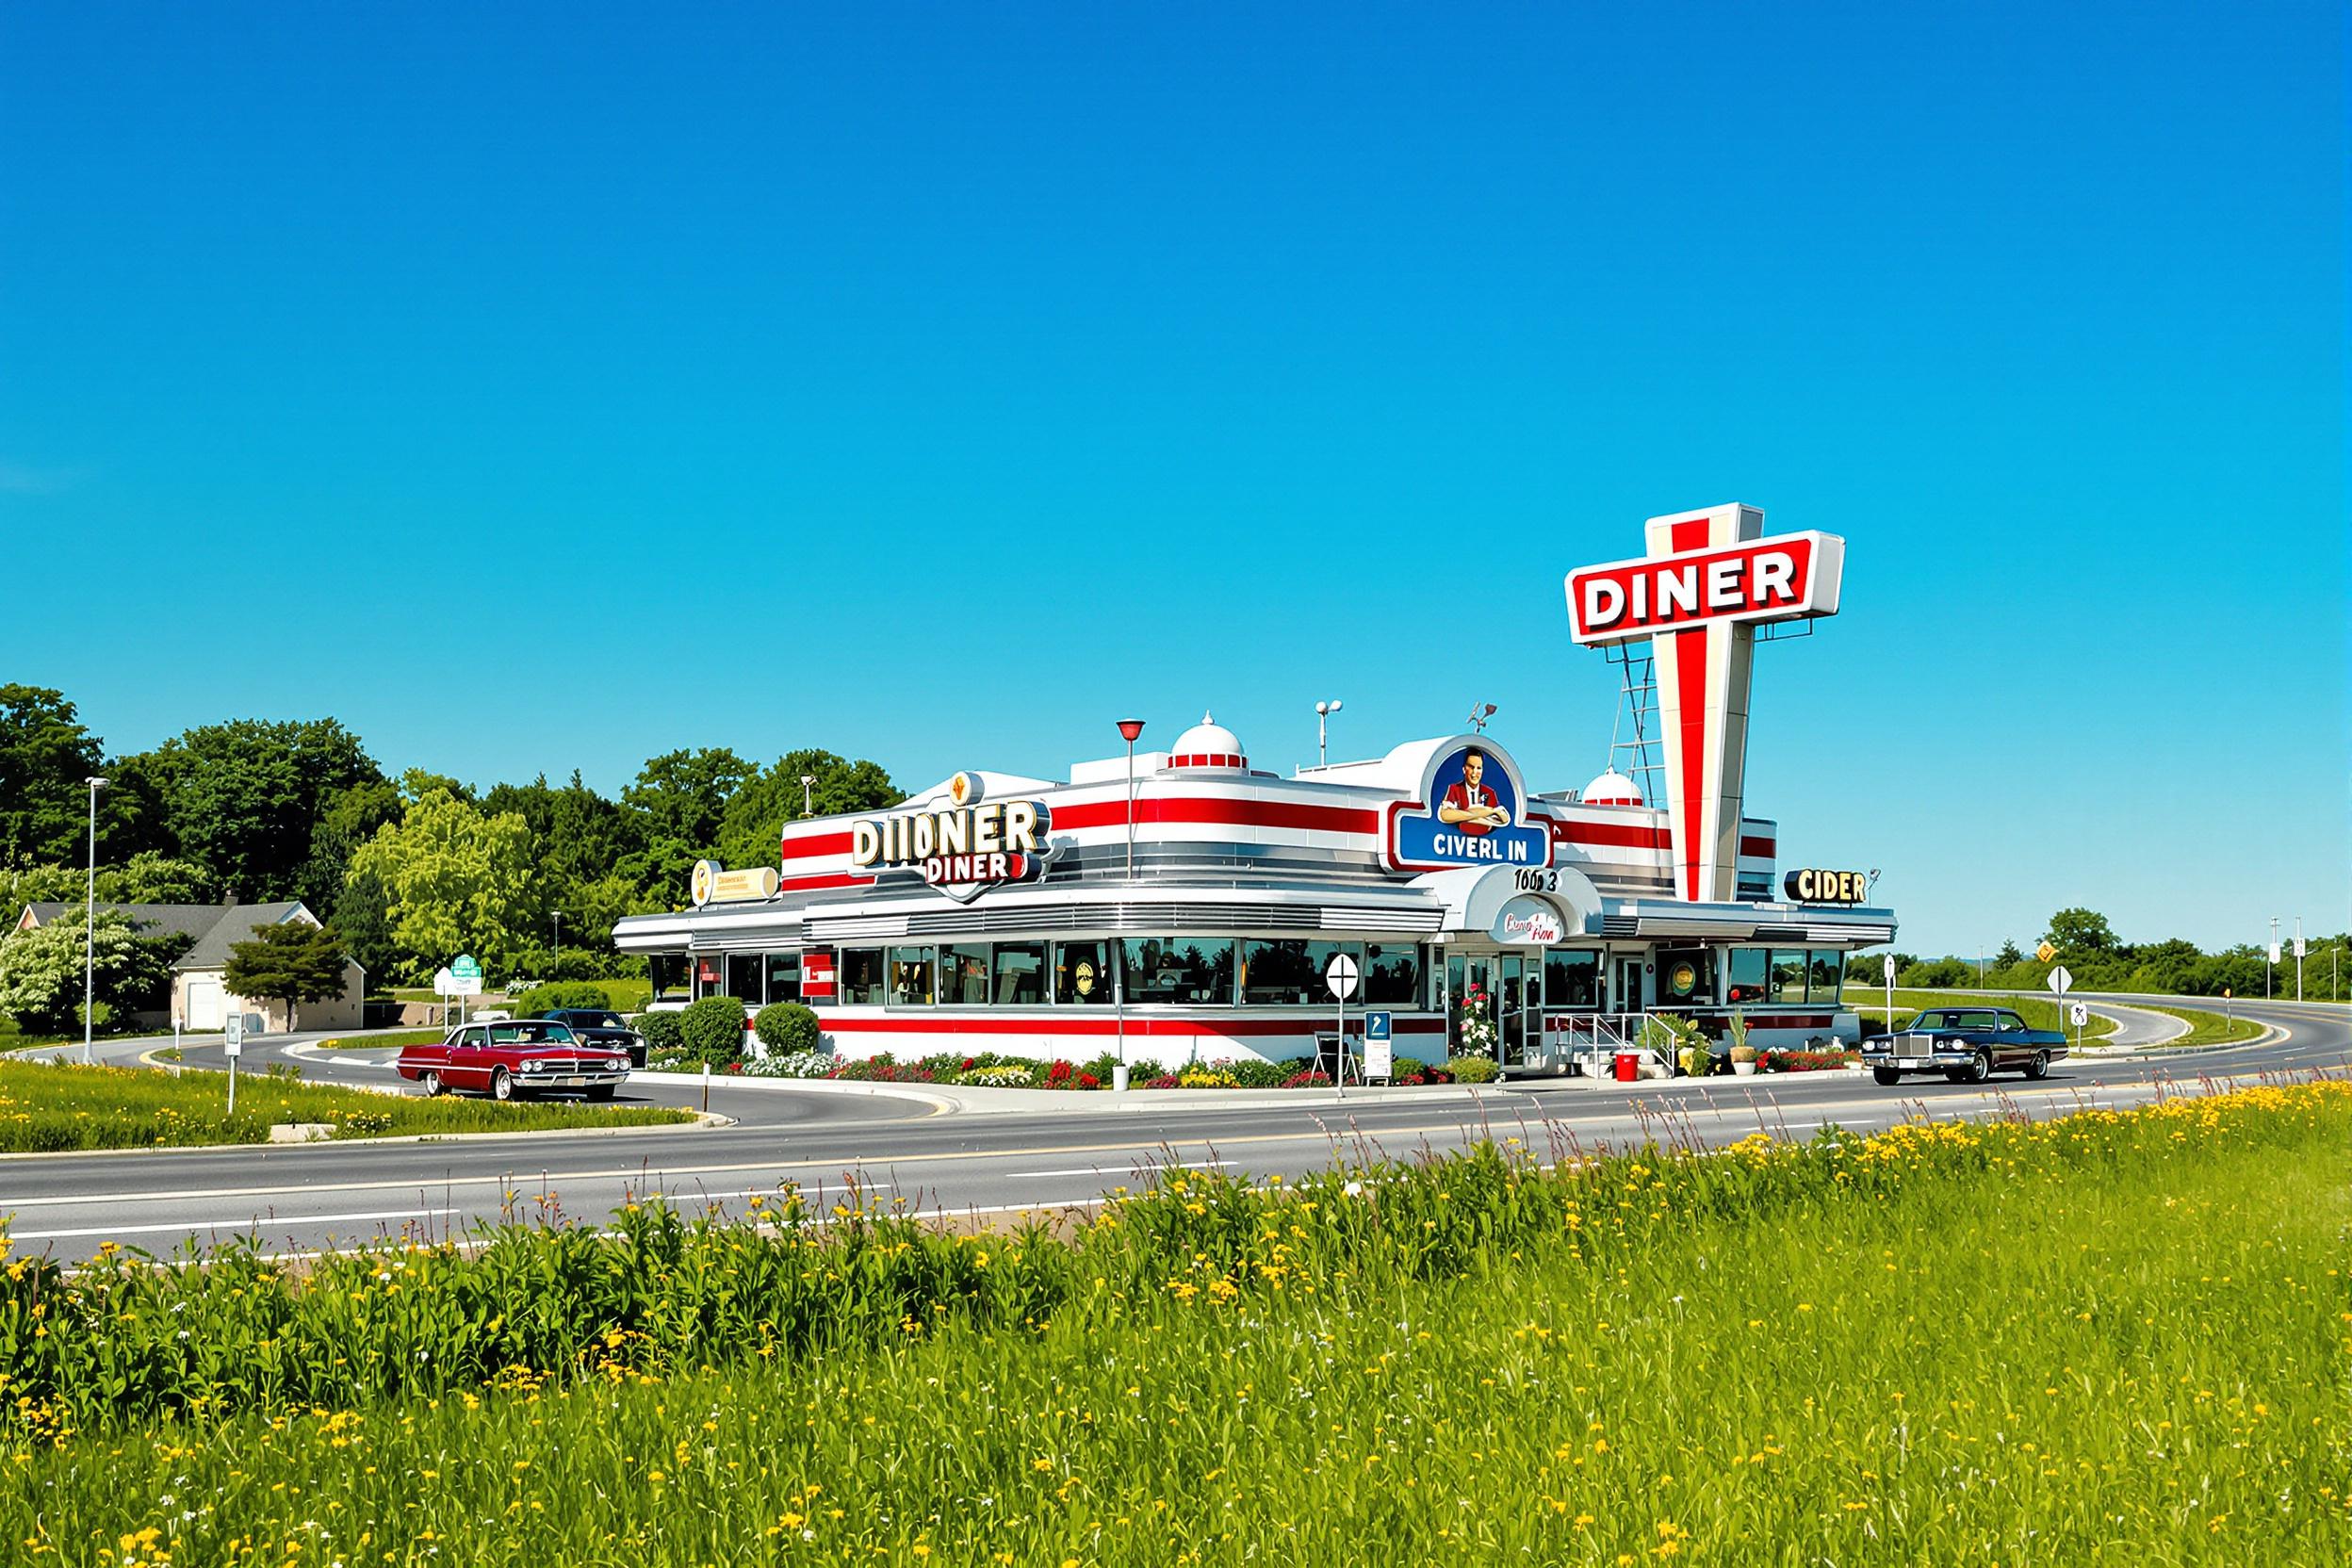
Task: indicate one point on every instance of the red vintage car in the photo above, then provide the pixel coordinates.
(525, 1057)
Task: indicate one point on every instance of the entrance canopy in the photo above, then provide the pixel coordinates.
(1514, 904)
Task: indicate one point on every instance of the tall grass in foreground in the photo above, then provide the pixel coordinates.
(2115, 1337)
(47, 1106)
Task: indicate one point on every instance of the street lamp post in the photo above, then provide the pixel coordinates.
(1130, 730)
(808, 797)
(2270, 956)
(1323, 711)
(89, 923)
(555, 964)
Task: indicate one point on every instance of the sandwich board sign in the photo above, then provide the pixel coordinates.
(1380, 1057)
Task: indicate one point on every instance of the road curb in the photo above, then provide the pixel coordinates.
(703, 1121)
(2271, 1034)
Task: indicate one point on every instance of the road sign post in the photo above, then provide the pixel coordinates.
(1340, 974)
(2082, 1014)
(1888, 963)
(233, 1046)
(1380, 1048)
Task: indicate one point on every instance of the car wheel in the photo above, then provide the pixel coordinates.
(501, 1084)
(2039, 1066)
(1888, 1077)
(430, 1082)
(1984, 1067)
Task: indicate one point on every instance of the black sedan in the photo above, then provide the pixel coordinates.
(1967, 1045)
(598, 1028)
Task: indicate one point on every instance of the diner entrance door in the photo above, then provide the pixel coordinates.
(1508, 990)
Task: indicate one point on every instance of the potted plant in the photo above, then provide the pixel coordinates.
(1742, 1054)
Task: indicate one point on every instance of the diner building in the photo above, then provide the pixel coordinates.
(1184, 906)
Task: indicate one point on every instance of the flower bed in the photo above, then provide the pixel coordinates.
(989, 1070)
(1804, 1061)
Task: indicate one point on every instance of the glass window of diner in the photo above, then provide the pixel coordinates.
(1194, 971)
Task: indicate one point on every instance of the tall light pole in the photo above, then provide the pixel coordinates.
(2299, 958)
(2270, 956)
(89, 923)
(807, 796)
(555, 965)
(1129, 731)
(1323, 711)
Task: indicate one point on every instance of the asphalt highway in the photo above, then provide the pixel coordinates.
(305, 1198)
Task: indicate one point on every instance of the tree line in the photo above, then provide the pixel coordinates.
(408, 869)
(2099, 960)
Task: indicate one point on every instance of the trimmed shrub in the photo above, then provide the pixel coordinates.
(1472, 1070)
(660, 1030)
(1252, 1073)
(712, 1030)
(786, 1028)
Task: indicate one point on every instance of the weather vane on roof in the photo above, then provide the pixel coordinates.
(1479, 713)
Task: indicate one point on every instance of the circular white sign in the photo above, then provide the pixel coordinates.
(1340, 975)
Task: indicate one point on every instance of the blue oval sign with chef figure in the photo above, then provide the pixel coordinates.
(1469, 814)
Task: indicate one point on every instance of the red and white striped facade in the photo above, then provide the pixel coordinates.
(1222, 851)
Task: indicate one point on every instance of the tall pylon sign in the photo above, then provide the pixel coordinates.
(1711, 578)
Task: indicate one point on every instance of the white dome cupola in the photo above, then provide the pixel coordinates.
(1208, 746)
(1611, 789)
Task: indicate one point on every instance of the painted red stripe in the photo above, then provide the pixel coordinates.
(1621, 836)
(905, 1023)
(836, 879)
(1203, 809)
(810, 845)
(1689, 534)
(1690, 695)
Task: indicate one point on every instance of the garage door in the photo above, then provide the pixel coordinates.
(203, 1002)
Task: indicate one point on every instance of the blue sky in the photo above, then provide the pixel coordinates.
(540, 387)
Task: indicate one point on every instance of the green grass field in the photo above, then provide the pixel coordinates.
(45, 1108)
(2038, 1012)
(2205, 1028)
(2115, 1338)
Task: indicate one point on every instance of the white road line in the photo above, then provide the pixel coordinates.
(250, 1222)
(1098, 1171)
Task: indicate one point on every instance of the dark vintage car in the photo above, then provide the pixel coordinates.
(599, 1026)
(521, 1056)
(1967, 1045)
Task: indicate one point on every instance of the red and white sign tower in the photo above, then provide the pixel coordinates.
(1709, 580)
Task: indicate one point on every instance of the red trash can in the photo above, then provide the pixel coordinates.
(1628, 1066)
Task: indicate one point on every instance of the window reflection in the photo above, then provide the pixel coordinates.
(1082, 973)
(1194, 969)
(861, 975)
(964, 975)
(911, 977)
(1019, 975)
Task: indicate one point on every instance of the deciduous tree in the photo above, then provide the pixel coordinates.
(46, 753)
(291, 961)
(41, 976)
(455, 879)
(243, 799)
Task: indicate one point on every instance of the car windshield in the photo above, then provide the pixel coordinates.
(597, 1020)
(529, 1031)
(1956, 1018)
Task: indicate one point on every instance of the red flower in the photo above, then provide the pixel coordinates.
(1059, 1074)
(1089, 1081)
